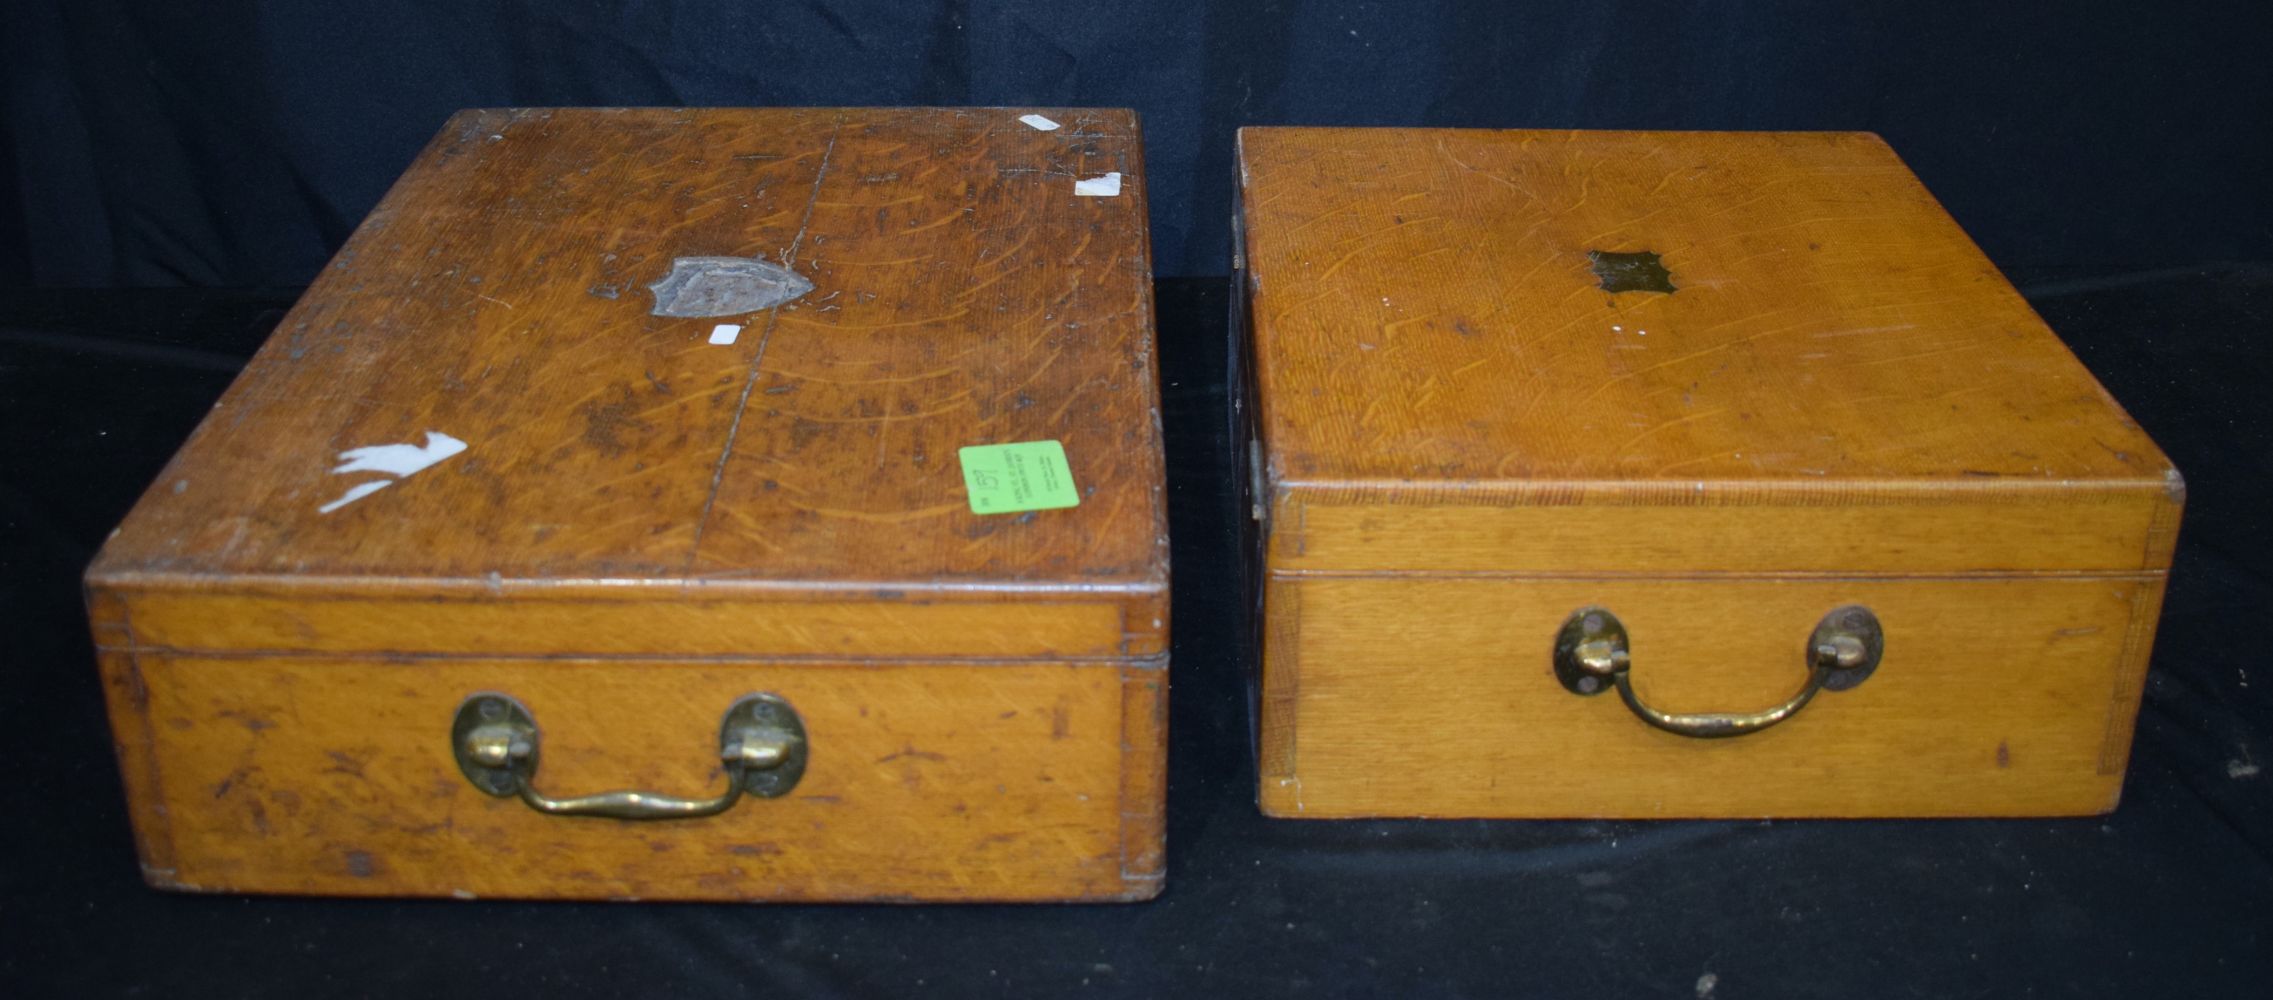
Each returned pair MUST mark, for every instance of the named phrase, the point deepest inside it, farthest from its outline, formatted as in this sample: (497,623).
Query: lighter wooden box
(1714,387)
(653,517)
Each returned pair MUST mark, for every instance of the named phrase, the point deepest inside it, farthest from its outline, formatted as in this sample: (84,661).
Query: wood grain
(963,295)
(1465,436)
(2086,529)
(417,621)
(925,782)
(1993,698)
(646,524)
(1425,309)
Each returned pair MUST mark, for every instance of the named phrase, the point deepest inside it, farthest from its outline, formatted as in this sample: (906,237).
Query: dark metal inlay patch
(1630,272)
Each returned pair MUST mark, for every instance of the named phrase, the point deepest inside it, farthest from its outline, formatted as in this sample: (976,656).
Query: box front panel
(1388,696)
(922,781)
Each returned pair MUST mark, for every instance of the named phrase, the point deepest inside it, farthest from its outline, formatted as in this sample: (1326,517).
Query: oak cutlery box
(1604,474)
(676,504)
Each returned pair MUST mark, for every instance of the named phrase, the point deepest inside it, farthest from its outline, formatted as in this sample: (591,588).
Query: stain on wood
(1475,414)
(645,526)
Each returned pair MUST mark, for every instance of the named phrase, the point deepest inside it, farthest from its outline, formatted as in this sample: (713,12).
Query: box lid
(1502,334)
(625,374)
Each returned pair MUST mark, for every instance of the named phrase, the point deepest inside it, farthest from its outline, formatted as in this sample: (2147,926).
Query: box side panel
(924,782)
(1278,696)
(127,701)
(2131,679)
(1437,697)
(127,697)
(1250,507)
(1144,778)
(2139,642)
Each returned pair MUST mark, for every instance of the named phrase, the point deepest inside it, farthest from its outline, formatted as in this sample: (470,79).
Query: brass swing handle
(761,744)
(1591,648)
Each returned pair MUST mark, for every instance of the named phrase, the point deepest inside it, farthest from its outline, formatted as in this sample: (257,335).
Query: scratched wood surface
(649,516)
(1831,396)
(963,295)
(1425,309)
(1997,696)
(926,781)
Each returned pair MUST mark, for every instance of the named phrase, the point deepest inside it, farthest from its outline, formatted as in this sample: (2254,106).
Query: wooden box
(1577,450)
(629,449)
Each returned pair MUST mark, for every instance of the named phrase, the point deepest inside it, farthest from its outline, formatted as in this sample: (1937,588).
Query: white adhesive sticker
(1039,123)
(397,460)
(724,333)
(1108,186)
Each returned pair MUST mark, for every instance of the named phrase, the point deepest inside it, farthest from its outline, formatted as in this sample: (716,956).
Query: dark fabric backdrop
(225,142)
(2102,153)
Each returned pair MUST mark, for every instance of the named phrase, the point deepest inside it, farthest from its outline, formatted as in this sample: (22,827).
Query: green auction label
(1008,478)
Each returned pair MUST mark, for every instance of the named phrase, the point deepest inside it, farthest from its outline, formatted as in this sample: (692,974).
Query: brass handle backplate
(1591,656)
(761,744)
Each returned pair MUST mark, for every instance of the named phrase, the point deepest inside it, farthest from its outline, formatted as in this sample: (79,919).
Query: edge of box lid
(660,619)
(1604,529)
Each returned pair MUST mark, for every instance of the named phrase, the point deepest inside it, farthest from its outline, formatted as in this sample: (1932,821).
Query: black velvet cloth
(2172,895)
(231,142)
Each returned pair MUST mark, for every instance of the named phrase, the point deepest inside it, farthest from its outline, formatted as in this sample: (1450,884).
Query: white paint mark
(462,894)
(397,460)
(354,493)
(1039,123)
(2239,769)
(1705,984)
(1108,186)
(724,333)
(1615,328)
